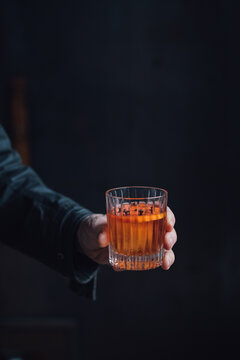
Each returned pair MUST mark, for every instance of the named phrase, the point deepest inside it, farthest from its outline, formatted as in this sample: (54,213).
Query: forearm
(34,219)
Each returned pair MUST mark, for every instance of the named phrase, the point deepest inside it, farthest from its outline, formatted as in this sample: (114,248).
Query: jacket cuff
(84,281)
(81,270)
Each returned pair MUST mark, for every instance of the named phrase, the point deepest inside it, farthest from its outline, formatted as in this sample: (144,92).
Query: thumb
(102,239)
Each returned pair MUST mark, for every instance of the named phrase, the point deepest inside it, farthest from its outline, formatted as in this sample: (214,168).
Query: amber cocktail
(136,227)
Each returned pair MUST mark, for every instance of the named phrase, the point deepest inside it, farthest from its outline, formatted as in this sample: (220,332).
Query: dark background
(128,93)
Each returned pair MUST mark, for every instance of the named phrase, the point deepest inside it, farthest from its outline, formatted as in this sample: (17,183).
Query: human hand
(93,241)
(92,238)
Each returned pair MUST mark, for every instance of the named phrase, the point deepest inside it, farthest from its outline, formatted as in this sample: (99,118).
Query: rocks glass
(137,217)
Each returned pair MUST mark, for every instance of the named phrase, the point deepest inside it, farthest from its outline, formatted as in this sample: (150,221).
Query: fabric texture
(40,222)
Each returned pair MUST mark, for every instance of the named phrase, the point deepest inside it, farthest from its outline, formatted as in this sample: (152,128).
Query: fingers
(168,259)
(170,219)
(170,239)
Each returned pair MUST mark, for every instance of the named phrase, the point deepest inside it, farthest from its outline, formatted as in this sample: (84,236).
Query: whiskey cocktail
(136,227)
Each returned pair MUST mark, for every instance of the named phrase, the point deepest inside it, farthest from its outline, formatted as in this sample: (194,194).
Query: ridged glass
(137,217)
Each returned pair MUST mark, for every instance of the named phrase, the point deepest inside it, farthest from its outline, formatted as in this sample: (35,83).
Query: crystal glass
(136,218)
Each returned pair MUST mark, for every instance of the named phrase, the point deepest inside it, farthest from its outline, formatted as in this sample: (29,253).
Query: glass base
(131,262)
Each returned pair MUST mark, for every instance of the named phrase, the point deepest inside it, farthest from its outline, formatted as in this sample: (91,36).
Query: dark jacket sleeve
(40,222)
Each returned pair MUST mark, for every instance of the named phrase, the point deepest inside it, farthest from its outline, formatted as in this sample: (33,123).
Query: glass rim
(107,193)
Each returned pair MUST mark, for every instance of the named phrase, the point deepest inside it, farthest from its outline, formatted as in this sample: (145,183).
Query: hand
(92,238)
(93,242)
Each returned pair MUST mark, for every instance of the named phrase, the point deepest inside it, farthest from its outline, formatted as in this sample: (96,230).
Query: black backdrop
(125,93)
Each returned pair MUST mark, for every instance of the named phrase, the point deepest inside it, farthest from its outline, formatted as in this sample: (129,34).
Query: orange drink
(136,230)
